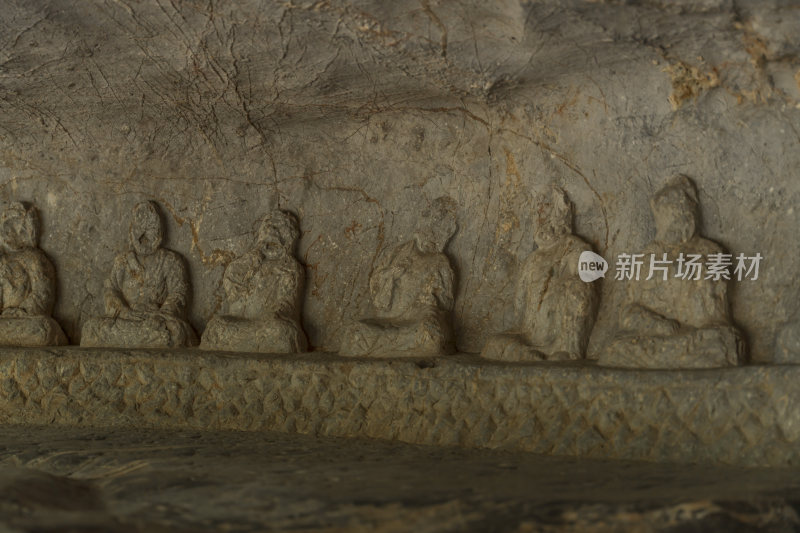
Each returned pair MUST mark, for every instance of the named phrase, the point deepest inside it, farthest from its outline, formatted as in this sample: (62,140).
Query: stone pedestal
(745,416)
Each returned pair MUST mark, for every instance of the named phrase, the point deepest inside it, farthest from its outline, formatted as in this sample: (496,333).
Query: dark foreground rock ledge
(73,479)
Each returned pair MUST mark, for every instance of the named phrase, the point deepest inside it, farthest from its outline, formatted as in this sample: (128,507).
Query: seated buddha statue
(263,295)
(679,317)
(145,295)
(555,309)
(27,282)
(413,292)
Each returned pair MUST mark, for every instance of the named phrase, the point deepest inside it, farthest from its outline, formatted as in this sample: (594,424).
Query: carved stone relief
(412,291)
(495,101)
(263,295)
(669,321)
(787,344)
(27,282)
(556,310)
(145,294)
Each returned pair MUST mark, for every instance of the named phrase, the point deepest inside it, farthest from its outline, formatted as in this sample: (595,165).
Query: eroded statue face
(277,234)
(269,240)
(437,227)
(18,227)
(146,230)
(675,216)
(553,218)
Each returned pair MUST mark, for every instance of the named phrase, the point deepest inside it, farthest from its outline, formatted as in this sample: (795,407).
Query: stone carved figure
(264,291)
(27,282)
(676,322)
(555,309)
(787,344)
(146,294)
(412,289)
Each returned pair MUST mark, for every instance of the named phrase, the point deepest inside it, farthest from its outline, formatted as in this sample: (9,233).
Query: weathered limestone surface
(264,295)
(744,415)
(27,282)
(145,294)
(412,291)
(668,321)
(356,114)
(556,309)
(155,481)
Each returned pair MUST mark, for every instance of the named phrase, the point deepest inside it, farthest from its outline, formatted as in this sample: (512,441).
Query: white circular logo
(591,266)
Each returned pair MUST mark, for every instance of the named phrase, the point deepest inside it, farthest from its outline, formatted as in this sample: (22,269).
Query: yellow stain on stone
(508,219)
(569,102)
(689,82)
(213,258)
(352,230)
(511,170)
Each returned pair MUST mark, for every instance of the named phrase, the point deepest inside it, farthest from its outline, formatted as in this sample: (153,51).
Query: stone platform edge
(741,416)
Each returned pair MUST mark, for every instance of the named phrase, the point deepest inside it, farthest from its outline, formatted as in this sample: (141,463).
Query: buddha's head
(676,211)
(553,217)
(146,230)
(437,225)
(19,227)
(278,234)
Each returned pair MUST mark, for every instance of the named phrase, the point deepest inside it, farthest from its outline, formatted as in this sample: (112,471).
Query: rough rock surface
(27,282)
(52,479)
(555,308)
(356,114)
(679,317)
(746,415)
(145,294)
(264,293)
(412,294)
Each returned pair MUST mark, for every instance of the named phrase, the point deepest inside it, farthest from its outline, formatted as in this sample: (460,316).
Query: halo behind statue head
(146,231)
(284,224)
(19,226)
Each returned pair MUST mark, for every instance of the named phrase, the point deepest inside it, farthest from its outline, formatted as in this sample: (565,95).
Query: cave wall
(355,115)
